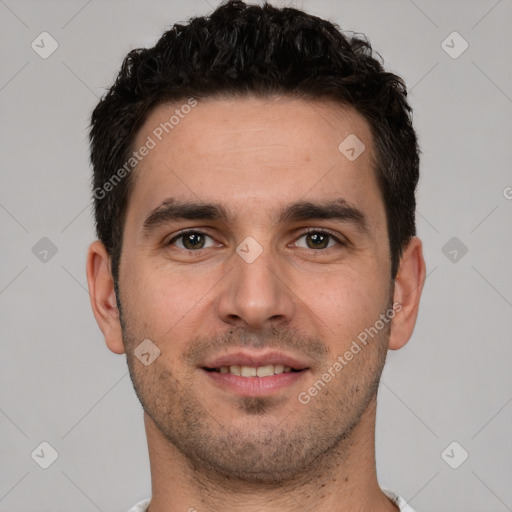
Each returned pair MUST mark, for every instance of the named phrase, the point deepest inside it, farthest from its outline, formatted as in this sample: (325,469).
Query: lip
(255,359)
(254,386)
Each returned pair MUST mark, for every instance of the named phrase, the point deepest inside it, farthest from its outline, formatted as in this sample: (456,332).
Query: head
(287,152)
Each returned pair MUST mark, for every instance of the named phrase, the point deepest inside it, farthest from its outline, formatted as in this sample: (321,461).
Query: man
(254,181)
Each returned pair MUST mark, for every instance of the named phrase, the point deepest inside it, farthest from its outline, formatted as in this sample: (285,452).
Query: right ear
(103,296)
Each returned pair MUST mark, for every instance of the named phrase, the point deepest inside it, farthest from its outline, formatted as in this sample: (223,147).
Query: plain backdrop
(59,383)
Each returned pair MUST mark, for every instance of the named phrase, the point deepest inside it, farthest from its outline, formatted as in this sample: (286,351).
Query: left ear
(408,287)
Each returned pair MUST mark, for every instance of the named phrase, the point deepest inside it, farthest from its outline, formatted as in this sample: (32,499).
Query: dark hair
(265,51)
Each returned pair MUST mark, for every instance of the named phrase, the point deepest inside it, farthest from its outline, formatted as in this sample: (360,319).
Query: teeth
(278,368)
(260,371)
(247,371)
(235,369)
(265,371)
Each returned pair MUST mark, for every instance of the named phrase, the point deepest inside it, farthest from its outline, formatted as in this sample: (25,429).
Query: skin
(209,449)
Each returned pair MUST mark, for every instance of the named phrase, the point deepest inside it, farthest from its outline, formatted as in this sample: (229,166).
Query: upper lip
(257,359)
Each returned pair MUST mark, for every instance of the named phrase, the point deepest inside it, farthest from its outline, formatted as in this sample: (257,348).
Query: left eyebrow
(339,210)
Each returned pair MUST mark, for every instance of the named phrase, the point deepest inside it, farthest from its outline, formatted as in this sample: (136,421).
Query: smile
(250,371)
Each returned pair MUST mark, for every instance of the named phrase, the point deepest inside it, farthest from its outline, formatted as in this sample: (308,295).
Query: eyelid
(183,232)
(334,235)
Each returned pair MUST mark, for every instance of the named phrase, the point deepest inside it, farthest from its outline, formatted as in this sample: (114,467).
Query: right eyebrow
(171,210)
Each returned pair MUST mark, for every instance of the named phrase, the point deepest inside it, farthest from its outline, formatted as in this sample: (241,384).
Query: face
(284,263)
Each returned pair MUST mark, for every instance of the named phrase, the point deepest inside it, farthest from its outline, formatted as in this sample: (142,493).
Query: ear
(408,287)
(103,297)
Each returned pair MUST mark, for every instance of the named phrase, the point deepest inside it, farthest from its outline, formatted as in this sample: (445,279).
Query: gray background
(59,382)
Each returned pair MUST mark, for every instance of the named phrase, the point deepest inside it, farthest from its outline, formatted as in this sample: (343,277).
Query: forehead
(255,153)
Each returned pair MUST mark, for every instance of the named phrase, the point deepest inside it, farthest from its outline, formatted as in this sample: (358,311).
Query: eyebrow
(339,209)
(172,209)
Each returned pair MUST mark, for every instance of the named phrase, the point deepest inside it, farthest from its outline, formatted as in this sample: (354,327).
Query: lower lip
(255,386)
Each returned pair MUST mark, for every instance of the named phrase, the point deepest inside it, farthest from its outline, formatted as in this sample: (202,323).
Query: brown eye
(318,240)
(191,240)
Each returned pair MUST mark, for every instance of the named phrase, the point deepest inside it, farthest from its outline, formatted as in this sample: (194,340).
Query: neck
(343,480)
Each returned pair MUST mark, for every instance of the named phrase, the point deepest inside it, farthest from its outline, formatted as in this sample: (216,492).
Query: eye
(191,240)
(318,240)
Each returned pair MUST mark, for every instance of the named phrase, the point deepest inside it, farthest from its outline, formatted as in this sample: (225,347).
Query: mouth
(256,374)
(255,371)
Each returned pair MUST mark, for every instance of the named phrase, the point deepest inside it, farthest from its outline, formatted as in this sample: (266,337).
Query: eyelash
(185,232)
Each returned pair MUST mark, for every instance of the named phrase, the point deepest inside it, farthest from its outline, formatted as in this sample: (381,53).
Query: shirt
(397,500)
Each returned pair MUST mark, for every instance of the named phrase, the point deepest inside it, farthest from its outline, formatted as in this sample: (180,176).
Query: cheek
(345,303)
(165,302)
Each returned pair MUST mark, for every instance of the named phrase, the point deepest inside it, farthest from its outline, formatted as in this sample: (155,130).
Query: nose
(255,293)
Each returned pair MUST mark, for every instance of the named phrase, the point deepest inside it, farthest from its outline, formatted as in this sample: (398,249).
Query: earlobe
(102,296)
(408,287)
